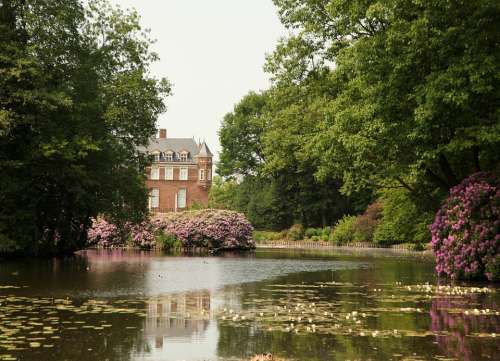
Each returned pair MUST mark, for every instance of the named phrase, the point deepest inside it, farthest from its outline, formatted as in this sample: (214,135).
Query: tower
(204,166)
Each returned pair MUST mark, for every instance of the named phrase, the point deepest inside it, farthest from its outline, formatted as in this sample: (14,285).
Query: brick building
(180,175)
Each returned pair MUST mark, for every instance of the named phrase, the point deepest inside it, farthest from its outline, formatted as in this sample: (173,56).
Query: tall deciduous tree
(76,99)
(419,99)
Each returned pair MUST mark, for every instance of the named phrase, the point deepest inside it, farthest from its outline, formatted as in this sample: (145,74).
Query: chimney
(163,133)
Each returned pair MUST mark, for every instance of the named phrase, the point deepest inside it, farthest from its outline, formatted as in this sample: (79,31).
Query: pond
(294,304)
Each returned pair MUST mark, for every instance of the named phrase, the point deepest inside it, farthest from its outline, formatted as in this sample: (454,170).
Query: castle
(180,174)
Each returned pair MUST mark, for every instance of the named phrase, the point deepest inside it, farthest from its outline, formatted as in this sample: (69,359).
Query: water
(297,305)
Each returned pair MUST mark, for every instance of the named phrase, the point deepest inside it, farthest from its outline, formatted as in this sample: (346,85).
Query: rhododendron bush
(211,228)
(205,228)
(466,230)
(104,233)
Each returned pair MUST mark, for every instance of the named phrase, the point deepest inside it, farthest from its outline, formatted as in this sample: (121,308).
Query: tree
(241,133)
(76,99)
(266,142)
(418,99)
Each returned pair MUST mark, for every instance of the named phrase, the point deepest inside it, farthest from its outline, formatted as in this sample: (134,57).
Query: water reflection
(132,306)
(178,326)
(458,327)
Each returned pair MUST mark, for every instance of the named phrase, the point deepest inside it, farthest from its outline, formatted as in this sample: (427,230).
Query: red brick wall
(168,188)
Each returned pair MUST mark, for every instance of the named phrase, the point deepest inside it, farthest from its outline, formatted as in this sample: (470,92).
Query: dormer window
(156,156)
(169,156)
(184,156)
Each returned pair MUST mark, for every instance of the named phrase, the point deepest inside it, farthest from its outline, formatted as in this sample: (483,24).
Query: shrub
(401,221)
(344,230)
(311,232)
(366,223)
(260,236)
(296,232)
(211,228)
(144,234)
(205,228)
(325,234)
(466,230)
(104,234)
(166,240)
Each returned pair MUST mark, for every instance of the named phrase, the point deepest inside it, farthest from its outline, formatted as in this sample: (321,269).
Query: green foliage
(296,232)
(196,206)
(257,197)
(276,182)
(413,97)
(76,100)
(402,221)
(344,230)
(260,236)
(412,101)
(311,232)
(167,241)
(367,223)
(241,133)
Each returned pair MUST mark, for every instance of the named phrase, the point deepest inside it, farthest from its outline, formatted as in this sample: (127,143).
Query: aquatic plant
(466,230)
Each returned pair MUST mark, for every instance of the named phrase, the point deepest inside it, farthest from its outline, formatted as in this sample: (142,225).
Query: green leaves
(76,99)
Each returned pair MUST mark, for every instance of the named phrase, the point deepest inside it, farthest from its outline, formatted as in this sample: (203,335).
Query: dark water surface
(298,305)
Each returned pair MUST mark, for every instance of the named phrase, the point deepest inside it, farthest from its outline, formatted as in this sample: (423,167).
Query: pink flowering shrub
(205,228)
(103,234)
(466,230)
(211,228)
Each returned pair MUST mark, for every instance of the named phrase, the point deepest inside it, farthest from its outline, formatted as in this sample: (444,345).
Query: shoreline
(398,249)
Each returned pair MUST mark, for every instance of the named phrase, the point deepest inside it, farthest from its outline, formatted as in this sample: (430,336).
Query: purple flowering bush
(206,228)
(211,228)
(466,230)
(104,234)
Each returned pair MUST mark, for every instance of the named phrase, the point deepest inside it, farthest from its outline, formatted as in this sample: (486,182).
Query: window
(156,157)
(181,198)
(154,198)
(202,174)
(209,174)
(169,173)
(169,157)
(155,173)
(184,157)
(183,174)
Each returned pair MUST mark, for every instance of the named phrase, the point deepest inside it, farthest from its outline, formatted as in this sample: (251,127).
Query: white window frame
(155,173)
(183,173)
(202,174)
(184,156)
(181,203)
(154,198)
(209,174)
(169,156)
(169,173)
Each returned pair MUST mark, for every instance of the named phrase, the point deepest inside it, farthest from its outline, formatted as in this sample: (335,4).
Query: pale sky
(213,52)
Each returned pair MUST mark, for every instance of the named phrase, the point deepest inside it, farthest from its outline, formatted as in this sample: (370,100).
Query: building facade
(180,174)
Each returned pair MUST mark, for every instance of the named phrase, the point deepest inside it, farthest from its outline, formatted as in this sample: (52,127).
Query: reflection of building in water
(179,315)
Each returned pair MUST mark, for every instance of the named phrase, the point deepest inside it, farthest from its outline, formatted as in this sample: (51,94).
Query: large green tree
(76,99)
(266,144)
(419,95)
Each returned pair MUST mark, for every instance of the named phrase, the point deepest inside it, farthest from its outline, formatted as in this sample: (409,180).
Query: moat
(297,305)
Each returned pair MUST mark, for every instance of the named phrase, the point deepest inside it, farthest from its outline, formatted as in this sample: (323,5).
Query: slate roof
(175,144)
(204,151)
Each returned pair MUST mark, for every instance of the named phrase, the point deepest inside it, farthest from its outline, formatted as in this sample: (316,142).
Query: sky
(212,51)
